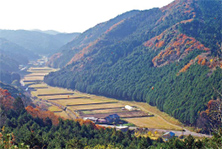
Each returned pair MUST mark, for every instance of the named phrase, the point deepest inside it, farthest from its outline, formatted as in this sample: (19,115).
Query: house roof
(112,116)
(169,133)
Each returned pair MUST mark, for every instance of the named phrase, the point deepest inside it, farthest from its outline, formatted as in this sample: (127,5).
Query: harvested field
(98,103)
(40,87)
(51,90)
(54,108)
(34,78)
(37,74)
(39,69)
(66,101)
(153,110)
(102,109)
(34,68)
(151,122)
(31,80)
(29,83)
(55,94)
(96,106)
(92,105)
(33,75)
(122,114)
(69,98)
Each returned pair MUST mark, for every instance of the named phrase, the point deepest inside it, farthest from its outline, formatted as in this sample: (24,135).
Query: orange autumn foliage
(203,62)
(53,58)
(184,8)
(83,52)
(114,26)
(177,45)
(37,112)
(160,44)
(6,100)
(88,122)
(199,60)
(186,66)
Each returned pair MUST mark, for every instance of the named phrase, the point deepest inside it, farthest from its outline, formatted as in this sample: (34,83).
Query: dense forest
(168,57)
(33,128)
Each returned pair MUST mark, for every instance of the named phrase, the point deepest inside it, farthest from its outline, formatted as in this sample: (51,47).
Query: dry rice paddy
(92,104)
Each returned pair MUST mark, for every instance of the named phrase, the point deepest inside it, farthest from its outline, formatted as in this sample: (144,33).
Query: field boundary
(55,94)
(69,98)
(100,109)
(99,103)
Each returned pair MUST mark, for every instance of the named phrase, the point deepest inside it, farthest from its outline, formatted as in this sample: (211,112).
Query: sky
(66,15)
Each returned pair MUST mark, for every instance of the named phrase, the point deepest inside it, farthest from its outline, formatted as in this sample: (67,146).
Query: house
(112,118)
(168,135)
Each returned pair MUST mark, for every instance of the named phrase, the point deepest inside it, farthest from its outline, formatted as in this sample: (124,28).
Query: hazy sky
(66,15)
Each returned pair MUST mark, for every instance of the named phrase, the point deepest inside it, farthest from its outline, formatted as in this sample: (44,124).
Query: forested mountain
(87,39)
(38,42)
(18,53)
(50,32)
(169,57)
(11,56)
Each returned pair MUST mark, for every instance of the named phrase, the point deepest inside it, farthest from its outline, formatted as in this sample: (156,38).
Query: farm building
(129,108)
(102,121)
(112,118)
(168,135)
(94,119)
(122,128)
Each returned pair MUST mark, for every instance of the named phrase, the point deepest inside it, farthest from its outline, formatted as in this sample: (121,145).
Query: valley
(72,104)
(82,102)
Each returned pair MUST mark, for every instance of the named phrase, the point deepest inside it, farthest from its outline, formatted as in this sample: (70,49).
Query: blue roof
(170,133)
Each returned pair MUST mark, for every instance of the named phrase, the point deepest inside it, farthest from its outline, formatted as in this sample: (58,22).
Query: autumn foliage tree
(45,115)
(211,118)
(6,100)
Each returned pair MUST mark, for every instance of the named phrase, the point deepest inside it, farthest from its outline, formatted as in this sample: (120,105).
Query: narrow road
(177,133)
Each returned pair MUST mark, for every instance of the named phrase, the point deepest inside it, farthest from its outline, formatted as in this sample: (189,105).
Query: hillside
(86,40)
(38,42)
(28,127)
(168,57)
(16,93)
(11,56)
(13,50)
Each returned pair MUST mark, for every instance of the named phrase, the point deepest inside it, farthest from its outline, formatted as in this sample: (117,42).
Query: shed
(91,119)
(130,108)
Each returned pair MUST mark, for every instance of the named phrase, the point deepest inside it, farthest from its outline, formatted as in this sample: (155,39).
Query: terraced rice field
(82,107)
(122,114)
(92,105)
(101,110)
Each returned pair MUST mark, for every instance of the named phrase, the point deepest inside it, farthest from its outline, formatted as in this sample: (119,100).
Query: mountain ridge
(37,42)
(157,48)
